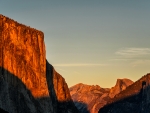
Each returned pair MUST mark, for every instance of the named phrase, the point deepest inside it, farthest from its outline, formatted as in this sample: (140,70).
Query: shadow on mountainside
(60,107)
(137,102)
(82,107)
(16,98)
(2,111)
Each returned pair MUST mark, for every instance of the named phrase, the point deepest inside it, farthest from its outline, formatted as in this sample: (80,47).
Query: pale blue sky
(90,41)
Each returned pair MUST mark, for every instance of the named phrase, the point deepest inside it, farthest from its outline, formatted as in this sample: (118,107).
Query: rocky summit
(28,83)
(125,97)
(90,98)
(135,99)
(121,85)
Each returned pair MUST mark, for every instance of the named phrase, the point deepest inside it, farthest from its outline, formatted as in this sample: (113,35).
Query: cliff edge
(29,84)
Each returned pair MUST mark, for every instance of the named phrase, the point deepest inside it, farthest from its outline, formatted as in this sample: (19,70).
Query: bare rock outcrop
(22,53)
(28,83)
(134,99)
(59,92)
(90,98)
(121,85)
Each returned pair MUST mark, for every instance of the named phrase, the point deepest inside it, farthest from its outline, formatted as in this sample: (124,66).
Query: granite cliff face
(121,85)
(135,99)
(59,92)
(22,53)
(28,83)
(90,98)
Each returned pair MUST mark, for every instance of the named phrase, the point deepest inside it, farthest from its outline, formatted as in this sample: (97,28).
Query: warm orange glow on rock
(61,88)
(28,82)
(22,52)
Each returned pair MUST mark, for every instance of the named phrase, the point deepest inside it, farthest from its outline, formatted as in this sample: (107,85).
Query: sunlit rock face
(121,85)
(22,53)
(60,87)
(134,99)
(59,92)
(28,83)
(90,98)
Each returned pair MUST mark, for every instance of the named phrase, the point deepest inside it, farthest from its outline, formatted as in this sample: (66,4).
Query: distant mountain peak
(93,97)
(134,99)
(121,85)
(81,87)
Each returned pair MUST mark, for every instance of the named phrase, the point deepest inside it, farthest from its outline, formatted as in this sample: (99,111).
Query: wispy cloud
(133,52)
(121,59)
(78,65)
(140,63)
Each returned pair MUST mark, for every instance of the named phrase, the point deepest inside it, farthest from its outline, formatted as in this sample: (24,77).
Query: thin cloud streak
(78,65)
(133,52)
(140,63)
(121,59)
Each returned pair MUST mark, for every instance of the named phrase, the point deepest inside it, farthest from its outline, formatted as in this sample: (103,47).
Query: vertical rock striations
(22,53)
(28,83)
(59,92)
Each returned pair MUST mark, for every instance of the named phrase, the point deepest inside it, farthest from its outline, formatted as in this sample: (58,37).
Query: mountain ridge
(95,97)
(134,99)
(125,96)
